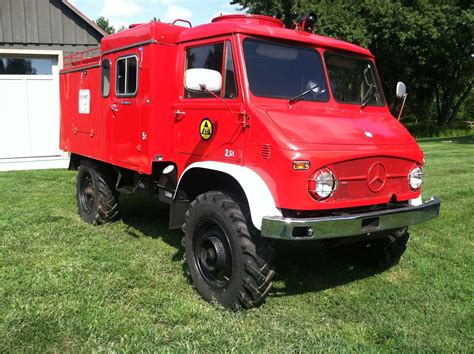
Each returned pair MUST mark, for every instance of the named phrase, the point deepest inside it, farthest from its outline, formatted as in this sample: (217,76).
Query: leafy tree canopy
(104,23)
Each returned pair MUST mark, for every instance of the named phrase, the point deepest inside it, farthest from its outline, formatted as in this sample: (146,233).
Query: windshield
(354,80)
(284,71)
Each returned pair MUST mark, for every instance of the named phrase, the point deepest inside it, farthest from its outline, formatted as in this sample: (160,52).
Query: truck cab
(251,132)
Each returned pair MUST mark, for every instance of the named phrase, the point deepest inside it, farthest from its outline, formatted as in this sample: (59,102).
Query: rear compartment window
(105,78)
(127,76)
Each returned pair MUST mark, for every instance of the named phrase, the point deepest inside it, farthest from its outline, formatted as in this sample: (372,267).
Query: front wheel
(386,252)
(224,261)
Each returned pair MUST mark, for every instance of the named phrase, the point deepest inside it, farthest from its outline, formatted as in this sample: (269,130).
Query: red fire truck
(251,132)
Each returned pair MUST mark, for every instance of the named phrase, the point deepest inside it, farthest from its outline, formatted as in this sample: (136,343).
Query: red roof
(255,25)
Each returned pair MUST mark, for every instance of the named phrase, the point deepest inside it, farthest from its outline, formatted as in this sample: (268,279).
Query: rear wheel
(223,259)
(97,201)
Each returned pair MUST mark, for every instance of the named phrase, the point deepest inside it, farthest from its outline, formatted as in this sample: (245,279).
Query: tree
(455,66)
(104,23)
(121,28)
(426,43)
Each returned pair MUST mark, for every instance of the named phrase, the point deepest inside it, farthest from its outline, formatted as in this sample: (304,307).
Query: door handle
(114,108)
(178,112)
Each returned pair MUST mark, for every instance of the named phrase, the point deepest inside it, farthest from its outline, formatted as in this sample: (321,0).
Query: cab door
(126,111)
(206,126)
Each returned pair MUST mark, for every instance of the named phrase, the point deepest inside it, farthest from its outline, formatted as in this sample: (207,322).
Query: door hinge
(244,118)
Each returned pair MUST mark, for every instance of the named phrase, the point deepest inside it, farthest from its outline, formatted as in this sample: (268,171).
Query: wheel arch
(240,182)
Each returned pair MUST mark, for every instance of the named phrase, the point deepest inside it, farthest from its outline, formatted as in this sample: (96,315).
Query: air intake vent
(266,152)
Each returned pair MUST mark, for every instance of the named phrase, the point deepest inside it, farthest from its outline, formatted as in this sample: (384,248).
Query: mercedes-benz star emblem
(377,177)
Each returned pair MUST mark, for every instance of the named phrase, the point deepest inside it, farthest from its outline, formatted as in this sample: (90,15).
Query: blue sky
(125,12)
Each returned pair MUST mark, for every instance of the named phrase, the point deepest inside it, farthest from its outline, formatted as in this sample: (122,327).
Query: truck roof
(173,34)
(257,25)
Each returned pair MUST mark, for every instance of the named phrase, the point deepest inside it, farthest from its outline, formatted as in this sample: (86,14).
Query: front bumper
(348,225)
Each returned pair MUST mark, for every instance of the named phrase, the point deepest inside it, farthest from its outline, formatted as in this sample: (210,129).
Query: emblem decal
(206,129)
(376,177)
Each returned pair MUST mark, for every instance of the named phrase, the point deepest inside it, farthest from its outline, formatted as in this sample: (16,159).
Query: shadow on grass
(301,267)
(468,139)
(150,217)
(308,267)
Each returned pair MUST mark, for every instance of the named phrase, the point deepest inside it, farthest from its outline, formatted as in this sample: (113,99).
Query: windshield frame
(374,71)
(290,44)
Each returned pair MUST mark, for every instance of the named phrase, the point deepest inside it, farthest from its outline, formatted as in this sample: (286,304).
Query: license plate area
(370,224)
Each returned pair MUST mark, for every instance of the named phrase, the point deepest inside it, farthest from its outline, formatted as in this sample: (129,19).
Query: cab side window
(105,82)
(205,57)
(214,57)
(230,82)
(126,77)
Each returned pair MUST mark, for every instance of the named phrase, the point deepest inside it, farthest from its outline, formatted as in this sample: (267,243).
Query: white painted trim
(36,163)
(416,201)
(258,194)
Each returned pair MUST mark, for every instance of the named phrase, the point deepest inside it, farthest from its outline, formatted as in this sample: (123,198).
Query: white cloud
(121,8)
(177,12)
(164,2)
(117,23)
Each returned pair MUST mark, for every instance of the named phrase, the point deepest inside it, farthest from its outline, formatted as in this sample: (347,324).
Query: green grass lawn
(69,286)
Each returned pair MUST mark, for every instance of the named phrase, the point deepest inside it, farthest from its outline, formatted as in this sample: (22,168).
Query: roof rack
(81,58)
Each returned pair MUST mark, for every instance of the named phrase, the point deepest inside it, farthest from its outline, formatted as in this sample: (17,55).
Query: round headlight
(415,178)
(322,184)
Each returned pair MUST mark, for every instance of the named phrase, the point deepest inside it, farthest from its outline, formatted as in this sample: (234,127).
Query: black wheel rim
(87,192)
(212,254)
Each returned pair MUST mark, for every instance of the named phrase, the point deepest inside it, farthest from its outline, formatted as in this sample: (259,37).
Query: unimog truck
(251,132)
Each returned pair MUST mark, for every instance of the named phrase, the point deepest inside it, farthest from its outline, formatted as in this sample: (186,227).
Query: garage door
(29,106)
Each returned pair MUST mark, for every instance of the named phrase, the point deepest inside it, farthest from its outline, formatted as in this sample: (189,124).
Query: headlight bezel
(416,178)
(320,181)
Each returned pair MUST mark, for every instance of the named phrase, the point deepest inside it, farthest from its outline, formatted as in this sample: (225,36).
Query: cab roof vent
(250,19)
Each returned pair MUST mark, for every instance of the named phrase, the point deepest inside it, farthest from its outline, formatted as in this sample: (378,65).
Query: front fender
(259,197)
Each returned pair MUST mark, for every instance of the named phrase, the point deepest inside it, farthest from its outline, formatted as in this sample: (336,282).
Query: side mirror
(202,79)
(401,90)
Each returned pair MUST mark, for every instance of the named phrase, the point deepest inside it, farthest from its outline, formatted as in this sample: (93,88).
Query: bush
(431,129)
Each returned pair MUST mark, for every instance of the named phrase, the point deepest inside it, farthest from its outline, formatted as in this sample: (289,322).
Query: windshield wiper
(365,100)
(313,87)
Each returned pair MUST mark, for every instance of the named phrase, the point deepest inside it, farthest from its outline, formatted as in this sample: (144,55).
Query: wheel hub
(212,254)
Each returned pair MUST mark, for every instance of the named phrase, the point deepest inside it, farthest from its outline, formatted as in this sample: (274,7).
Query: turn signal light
(301,165)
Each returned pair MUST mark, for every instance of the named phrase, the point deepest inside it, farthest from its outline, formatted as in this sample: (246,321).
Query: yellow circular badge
(206,129)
